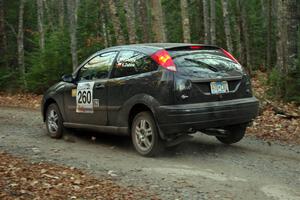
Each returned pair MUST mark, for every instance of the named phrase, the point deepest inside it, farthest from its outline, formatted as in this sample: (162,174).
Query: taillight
(163,58)
(228,55)
(196,47)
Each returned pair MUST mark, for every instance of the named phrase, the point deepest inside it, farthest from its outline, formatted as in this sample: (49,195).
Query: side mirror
(67,78)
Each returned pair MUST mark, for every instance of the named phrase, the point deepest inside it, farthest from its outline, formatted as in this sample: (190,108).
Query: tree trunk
(292,20)
(3,46)
(206,22)
(240,30)
(20,42)
(130,18)
(286,45)
(246,38)
(227,25)
(158,26)
(103,23)
(143,20)
(72,15)
(185,21)
(282,37)
(116,22)
(237,37)
(213,22)
(49,14)
(269,33)
(61,13)
(40,19)
(263,6)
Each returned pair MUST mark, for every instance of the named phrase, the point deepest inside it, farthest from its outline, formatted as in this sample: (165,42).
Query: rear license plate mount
(219,87)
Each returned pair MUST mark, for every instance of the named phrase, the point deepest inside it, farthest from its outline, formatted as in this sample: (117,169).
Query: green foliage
(5,80)
(285,86)
(196,21)
(173,20)
(257,33)
(47,67)
(277,82)
(89,36)
(293,85)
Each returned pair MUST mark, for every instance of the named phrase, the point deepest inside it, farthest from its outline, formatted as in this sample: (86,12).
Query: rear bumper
(180,118)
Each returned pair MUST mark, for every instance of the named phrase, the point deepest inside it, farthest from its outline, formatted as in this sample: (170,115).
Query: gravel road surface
(200,168)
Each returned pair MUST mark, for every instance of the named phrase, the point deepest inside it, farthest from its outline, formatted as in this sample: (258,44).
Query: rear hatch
(207,74)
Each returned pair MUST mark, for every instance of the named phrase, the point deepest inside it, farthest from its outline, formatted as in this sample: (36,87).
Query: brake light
(195,47)
(163,58)
(228,55)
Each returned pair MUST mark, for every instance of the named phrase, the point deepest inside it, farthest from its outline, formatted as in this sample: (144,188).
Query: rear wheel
(235,134)
(54,121)
(145,136)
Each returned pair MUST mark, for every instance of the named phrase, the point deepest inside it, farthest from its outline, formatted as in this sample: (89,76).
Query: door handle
(99,86)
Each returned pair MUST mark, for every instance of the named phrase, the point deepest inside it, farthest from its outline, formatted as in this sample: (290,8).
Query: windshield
(204,61)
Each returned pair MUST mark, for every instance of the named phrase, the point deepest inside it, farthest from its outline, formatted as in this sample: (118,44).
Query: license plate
(219,87)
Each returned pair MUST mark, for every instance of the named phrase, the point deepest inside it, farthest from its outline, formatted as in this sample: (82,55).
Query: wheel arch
(137,108)
(142,107)
(48,102)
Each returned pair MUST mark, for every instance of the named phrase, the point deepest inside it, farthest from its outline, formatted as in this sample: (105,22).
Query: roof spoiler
(193,47)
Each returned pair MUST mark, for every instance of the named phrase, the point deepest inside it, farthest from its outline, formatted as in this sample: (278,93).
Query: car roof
(152,47)
(147,48)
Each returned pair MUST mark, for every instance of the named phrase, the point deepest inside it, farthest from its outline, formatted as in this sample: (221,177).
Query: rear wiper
(202,64)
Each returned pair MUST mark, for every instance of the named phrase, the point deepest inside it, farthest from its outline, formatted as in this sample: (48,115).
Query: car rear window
(131,63)
(203,61)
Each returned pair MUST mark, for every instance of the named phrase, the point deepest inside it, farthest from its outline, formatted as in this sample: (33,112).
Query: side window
(131,63)
(97,68)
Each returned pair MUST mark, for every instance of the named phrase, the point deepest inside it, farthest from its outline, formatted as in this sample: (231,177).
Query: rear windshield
(203,61)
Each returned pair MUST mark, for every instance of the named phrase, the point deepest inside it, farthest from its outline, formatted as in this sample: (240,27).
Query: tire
(236,133)
(54,121)
(145,135)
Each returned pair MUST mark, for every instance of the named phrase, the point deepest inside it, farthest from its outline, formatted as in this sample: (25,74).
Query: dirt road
(200,168)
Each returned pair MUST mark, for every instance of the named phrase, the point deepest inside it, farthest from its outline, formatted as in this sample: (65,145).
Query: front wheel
(145,135)
(54,121)
(235,134)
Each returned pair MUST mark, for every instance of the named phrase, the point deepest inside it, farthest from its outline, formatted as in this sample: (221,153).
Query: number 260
(84,97)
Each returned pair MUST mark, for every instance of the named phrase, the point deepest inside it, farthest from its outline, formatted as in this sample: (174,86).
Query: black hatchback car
(156,93)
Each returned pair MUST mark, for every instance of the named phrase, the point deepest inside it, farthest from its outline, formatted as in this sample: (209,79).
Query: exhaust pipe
(215,132)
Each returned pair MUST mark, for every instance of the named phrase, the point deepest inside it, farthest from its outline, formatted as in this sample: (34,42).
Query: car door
(86,98)
(133,73)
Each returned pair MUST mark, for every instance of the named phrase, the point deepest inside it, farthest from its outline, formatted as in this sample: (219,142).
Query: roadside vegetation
(277,120)
(42,40)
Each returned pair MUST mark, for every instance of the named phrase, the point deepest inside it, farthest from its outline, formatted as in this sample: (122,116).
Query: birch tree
(2,34)
(282,37)
(49,14)
(212,22)
(143,20)
(246,36)
(206,22)
(185,21)
(227,25)
(72,15)
(20,42)
(103,23)
(288,23)
(293,24)
(239,33)
(116,22)
(130,19)
(269,32)
(61,13)
(158,26)
(40,20)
